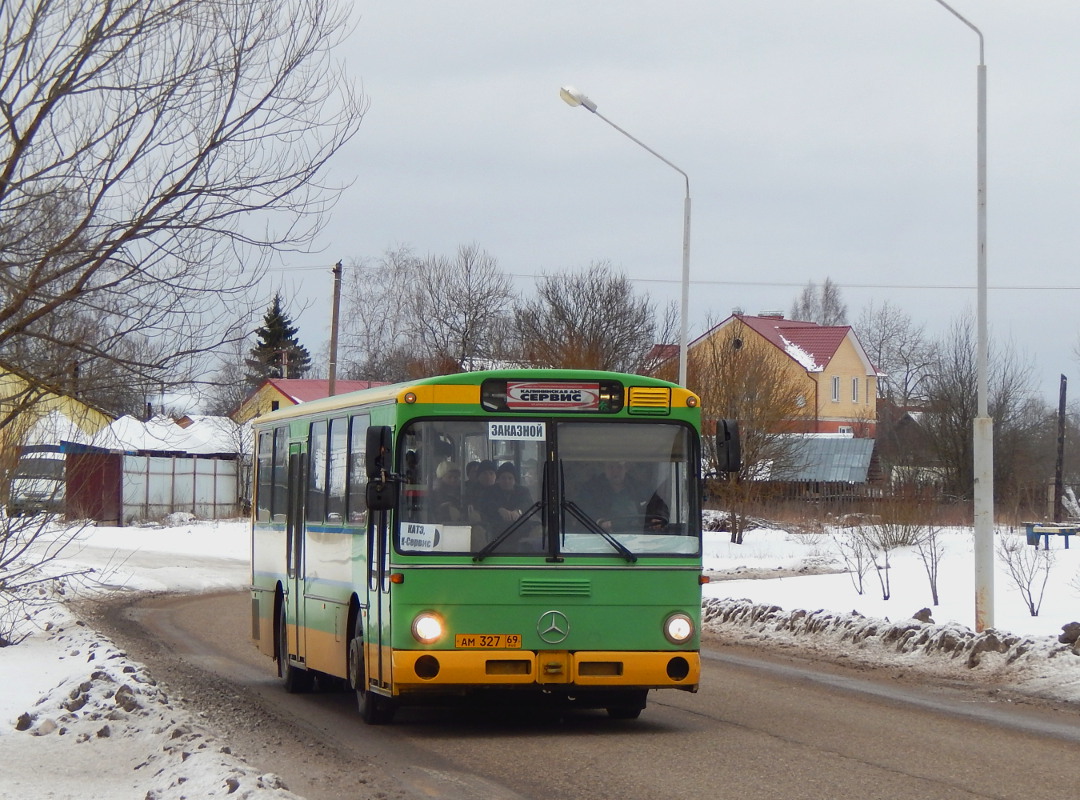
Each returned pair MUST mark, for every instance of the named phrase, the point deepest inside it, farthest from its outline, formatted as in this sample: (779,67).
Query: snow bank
(105,729)
(1043,666)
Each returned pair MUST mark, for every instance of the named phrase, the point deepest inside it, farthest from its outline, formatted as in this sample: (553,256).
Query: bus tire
(296,680)
(374,708)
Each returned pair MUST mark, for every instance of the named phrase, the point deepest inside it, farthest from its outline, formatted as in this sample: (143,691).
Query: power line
(796,285)
(327,267)
(774,284)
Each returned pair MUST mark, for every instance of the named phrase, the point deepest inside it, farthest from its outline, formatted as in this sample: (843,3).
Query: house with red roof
(838,382)
(275,393)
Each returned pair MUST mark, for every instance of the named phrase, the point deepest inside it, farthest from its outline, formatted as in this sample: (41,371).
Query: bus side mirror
(728,448)
(377,454)
(382,495)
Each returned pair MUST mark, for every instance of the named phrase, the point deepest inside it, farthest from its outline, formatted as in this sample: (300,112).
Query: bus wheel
(296,680)
(628,706)
(374,708)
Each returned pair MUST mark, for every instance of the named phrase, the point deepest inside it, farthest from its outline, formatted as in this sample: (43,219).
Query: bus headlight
(678,628)
(427,628)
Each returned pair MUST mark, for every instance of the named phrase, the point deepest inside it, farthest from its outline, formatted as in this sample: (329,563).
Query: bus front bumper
(452,670)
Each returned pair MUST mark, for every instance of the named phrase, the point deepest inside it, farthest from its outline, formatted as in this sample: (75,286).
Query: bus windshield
(551,487)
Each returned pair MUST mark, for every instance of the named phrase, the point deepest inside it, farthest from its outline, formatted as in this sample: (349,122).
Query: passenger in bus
(470,472)
(444,502)
(412,467)
(476,489)
(505,502)
(615,499)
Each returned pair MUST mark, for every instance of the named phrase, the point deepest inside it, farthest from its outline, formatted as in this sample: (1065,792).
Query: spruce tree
(277,353)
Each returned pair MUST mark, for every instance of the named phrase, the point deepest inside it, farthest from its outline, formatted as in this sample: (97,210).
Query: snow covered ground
(78,719)
(821,611)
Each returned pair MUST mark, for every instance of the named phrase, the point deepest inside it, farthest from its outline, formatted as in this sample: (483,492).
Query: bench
(1046,530)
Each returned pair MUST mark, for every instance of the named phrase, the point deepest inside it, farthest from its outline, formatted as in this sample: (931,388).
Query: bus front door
(377,640)
(294,550)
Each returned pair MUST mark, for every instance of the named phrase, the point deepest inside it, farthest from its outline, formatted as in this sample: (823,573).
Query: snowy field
(78,719)
(822,612)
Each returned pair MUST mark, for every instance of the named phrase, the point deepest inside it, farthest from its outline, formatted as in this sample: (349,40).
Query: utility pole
(1060,469)
(332,384)
(983,425)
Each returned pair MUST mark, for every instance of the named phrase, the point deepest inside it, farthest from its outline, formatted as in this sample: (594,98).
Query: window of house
(845,429)
(836,389)
(854,390)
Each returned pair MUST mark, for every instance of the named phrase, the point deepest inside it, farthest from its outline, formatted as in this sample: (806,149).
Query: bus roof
(389,392)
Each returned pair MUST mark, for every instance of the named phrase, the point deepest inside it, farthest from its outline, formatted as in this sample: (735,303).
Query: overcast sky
(822,138)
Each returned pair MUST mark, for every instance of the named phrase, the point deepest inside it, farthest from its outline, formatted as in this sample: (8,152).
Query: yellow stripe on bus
(451,394)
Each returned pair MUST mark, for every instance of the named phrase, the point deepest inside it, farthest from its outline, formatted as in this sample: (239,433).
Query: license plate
(485,641)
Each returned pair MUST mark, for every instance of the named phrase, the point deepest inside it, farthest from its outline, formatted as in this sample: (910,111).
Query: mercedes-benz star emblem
(553,627)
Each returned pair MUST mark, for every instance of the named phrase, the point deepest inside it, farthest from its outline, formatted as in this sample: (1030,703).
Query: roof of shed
(832,460)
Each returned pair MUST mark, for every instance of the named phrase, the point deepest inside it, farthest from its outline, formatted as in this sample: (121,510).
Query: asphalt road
(761,727)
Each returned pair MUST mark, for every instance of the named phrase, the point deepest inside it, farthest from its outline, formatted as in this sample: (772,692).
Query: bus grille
(650,400)
(547,587)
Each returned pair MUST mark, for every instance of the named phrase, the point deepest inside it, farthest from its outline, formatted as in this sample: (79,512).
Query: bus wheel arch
(279,603)
(354,650)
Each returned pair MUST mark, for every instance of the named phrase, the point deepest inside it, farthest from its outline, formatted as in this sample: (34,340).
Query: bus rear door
(294,549)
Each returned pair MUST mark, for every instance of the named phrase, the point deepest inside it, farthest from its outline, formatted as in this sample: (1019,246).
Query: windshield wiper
(595,527)
(490,547)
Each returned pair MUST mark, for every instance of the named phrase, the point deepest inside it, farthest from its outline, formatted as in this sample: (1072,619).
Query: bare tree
(1029,568)
(455,306)
(931,549)
(821,304)
(855,552)
(587,319)
(905,358)
(375,338)
(743,377)
(900,350)
(952,404)
(409,316)
(153,153)
(29,548)
(227,386)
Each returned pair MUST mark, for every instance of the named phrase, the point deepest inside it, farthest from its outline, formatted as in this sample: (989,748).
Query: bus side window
(279,499)
(335,478)
(357,479)
(316,496)
(264,491)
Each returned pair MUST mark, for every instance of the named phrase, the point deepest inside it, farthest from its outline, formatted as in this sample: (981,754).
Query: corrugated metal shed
(832,460)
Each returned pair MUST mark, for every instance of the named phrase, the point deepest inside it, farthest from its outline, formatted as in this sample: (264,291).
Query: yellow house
(837,383)
(275,393)
(25,407)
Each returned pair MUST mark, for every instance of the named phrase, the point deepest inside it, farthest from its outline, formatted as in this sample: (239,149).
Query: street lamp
(983,430)
(575,98)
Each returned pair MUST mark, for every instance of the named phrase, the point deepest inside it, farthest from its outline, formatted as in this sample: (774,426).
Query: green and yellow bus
(528,531)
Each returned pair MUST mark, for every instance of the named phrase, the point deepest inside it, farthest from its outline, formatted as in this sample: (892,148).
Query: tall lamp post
(983,432)
(575,98)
